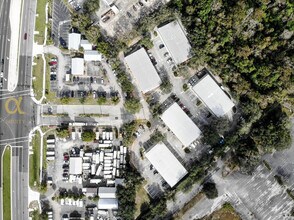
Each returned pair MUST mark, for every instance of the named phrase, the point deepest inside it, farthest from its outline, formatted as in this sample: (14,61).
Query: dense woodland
(249,44)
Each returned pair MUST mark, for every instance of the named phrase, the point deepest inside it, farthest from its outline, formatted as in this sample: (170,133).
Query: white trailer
(50,153)
(107,172)
(113,171)
(110,182)
(108,176)
(117,172)
(97,134)
(107,142)
(93,169)
(107,168)
(89,154)
(105,145)
(107,162)
(101,156)
(111,136)
(121,148)
(96,158)
(114,154)
(108,154)
(103,135)
(50,141)
(50,145)
(50,157)
(121,159)
(117,162)
(99,169)
(107,135)
(73,134)
(114,163)
(125,150)
(96,181)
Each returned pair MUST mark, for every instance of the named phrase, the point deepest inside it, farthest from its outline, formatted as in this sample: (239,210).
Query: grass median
(34,176)
(6,184)
(40,21)
(38,77)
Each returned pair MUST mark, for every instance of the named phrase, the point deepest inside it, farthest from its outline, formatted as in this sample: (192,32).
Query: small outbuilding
(74,40)
(75,165)
(77,66)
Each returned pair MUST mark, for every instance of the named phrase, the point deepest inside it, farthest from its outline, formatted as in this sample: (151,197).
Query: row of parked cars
(83,93)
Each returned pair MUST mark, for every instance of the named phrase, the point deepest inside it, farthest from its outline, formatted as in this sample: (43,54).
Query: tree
(65,100)
(91,6)
(101,100)
(210,190)
(88,135)
(62,132)
(132,105)
(166,86)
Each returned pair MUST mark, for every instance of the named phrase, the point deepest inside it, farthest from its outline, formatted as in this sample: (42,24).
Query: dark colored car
(25,36)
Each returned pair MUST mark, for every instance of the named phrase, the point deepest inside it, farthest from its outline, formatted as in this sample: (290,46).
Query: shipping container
(93,169)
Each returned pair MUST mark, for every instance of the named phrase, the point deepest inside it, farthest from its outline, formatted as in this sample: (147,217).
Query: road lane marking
(17,105)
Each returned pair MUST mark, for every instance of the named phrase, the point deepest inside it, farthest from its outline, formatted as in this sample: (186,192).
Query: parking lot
(60,23)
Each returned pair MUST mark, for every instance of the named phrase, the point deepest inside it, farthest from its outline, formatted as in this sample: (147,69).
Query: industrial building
(107,198)
(74,40)
(92,55)
(86,45)
(75,167)
(77,66)
(106,204)
(213,96)
(166,164)
(143,70)
(180,124)
(175,40)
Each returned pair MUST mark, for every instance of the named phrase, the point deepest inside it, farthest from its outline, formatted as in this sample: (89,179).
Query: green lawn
(40,21)
(38,77)
(34,179)
(6,185)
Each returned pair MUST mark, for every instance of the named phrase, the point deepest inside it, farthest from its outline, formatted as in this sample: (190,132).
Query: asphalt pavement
(17,107)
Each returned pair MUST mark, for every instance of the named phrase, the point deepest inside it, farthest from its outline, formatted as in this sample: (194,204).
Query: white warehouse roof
(86,45)
(166,164)
(75,165)
(180,124)
(92,55)
(174,38)
(77,66)
(107,204)
(74,40)
(107,192)
(143,70)
(213,96)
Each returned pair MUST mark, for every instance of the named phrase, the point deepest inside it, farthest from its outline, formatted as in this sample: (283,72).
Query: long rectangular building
(176,42)
(180,124)
(166,164)
(213,96)
(143,70)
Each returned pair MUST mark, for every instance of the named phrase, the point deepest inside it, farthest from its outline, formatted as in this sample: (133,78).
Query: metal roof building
(77,66)
(213,96)
(143,70)
(75,165)
(107,192)
(74,40)
(180,124)
(107,204)
(86,45)
(166,164)
(175,40)
(92,55)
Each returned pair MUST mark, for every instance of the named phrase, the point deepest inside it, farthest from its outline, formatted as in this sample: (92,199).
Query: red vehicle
(25,36)
(65,157)
(52,63)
